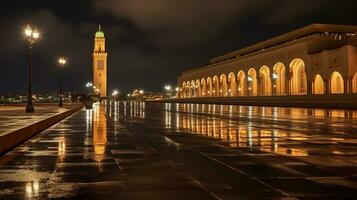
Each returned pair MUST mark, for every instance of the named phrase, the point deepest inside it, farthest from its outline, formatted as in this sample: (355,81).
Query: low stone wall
(316,101)
(15,138)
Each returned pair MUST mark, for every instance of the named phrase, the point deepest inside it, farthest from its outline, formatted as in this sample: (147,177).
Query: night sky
(149,42)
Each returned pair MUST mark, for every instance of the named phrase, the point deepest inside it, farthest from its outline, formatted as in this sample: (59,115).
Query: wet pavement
(136,150)
(13,117)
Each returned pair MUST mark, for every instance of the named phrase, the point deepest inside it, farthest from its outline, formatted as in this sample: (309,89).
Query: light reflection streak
(243,135)
(61,148)
(32,189)
(99,132)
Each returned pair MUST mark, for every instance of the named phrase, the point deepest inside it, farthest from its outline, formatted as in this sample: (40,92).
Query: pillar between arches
(345,85)
(309,87)
(326,86)
(350,84)
(258,85)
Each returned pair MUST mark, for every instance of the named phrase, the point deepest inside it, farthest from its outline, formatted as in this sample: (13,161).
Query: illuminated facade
(100,65)
(315,60)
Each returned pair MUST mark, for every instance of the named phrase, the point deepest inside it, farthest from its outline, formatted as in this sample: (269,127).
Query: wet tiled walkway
(184,151)
(13,117)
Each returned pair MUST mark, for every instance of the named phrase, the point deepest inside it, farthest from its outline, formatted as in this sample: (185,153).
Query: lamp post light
(177,89)
(250,83)
(61,61)
(32,37)
(168,89)
(115,94)
(89,85)
(275,77)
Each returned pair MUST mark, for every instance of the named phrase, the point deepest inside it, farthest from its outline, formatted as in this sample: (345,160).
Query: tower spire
(100,27)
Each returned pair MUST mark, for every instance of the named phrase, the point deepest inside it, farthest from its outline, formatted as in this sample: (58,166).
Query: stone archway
(336,83)
(203,88)
(198,88)
(223,90)
(209,86)
(189,89)
(279,79)
(252,82)
(265,81)
(298,82)
(241,83)
(215,91)
(193,89)
(318,85)
(232,85)
(183,94)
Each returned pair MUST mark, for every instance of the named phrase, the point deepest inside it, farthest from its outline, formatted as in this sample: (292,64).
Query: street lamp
(32,37)
(114,94)
(88,102)
(89,85)
(168,89)
(275,76)
(61,61)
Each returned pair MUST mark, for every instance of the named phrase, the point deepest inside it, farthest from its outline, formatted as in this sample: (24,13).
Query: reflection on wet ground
(137,150)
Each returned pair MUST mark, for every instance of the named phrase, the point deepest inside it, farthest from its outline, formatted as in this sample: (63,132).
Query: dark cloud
(180,23)
(149,41)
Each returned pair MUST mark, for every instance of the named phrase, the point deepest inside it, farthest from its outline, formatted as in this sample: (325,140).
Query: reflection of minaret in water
(99,132)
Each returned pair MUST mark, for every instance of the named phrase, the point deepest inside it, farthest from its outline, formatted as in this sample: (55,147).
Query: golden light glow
(35,34)
(99,132)
(28,31)
(62,61)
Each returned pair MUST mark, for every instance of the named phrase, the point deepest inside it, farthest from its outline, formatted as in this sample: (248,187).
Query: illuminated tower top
(99,33)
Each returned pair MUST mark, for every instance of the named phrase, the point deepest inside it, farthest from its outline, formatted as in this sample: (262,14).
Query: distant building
(318,59)
(100,65)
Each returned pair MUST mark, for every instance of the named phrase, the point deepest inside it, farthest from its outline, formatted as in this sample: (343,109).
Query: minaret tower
(100,64)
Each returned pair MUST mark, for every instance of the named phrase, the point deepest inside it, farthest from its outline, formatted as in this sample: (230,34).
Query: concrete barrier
(15,138)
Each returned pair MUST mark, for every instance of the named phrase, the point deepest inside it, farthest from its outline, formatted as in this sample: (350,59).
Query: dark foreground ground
(183,151)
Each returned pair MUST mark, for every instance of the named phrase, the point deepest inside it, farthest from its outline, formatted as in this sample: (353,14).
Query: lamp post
(88,102)
(32,37)
(61,61)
